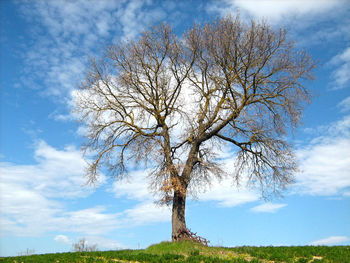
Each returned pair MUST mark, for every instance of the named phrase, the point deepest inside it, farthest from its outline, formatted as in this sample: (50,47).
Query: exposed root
(187,234)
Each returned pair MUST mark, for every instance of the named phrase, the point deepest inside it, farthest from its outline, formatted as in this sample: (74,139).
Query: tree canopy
(172,101)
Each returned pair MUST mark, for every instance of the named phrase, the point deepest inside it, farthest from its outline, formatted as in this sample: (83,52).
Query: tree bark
(178,215)
(179,200)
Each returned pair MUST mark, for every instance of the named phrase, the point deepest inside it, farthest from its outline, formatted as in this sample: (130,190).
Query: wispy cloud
(67,33)
(135,15)
(267,208)
(332,240)
(344,105)
(340,75)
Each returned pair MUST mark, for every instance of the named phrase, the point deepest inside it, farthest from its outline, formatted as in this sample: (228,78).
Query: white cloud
(325,162)
(275,10)
(135,186)
(25,212)
(340,75)
(147,213)
(90,221)
(104,243)
(62,117)
(58,173)
(75,31)
(267,208)
(344,105)
(63,239)
(67,18)
(332,240)
(224,192)
(325,168)
(136,15)
(32,196)
(301,18)
(227,194)
(101,243)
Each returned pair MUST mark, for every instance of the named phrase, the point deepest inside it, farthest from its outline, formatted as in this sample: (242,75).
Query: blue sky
(45,206)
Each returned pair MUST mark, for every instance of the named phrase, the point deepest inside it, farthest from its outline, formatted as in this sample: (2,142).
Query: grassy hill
(193,252)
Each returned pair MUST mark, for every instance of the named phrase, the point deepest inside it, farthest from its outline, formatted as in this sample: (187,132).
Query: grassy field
(192,252)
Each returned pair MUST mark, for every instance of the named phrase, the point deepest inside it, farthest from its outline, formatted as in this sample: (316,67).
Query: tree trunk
(178,215)
(179,201)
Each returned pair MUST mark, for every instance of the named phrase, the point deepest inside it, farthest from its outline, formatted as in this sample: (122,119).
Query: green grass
(184,247)
(189,252)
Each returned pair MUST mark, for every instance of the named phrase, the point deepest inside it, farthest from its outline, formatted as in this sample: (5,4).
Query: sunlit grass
(194,252)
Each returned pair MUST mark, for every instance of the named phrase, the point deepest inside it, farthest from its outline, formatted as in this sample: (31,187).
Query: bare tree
(28,252)
(83,246)
(171,101)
